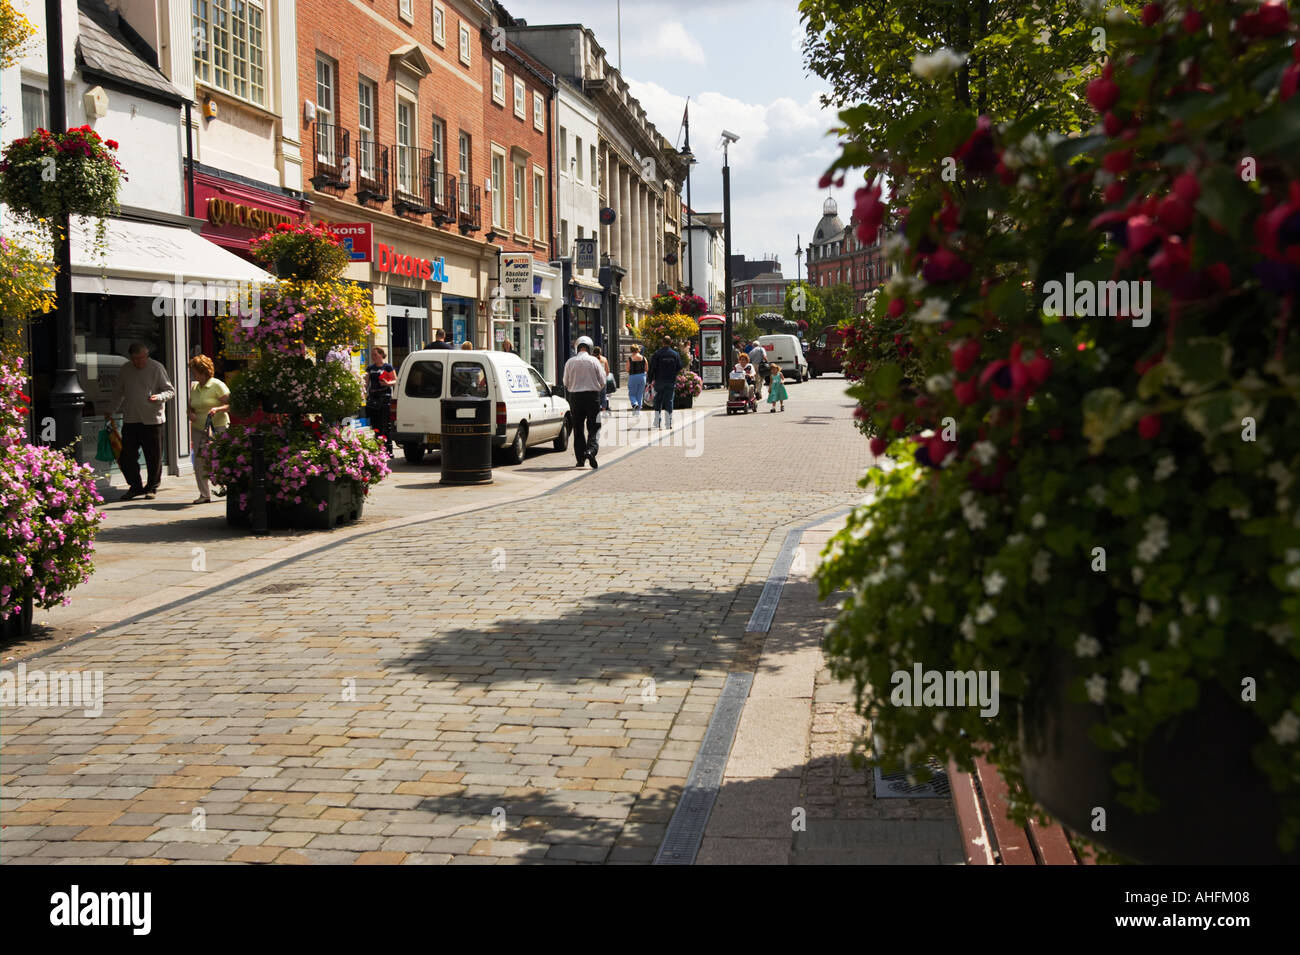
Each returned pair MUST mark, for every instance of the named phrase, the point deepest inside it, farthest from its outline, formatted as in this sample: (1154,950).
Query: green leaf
(885,381)
(1224,197)
(1101,416)
(1274,130)
(1149,385)
(1197,364)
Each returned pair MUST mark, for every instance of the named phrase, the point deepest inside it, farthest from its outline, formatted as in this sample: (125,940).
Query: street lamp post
(798,258)
(727,140)
(689,158)
(66,396)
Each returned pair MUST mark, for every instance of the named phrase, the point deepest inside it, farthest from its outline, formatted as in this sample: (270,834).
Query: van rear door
(419,406)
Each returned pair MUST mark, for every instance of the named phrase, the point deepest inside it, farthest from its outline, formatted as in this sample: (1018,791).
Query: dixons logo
(388,259)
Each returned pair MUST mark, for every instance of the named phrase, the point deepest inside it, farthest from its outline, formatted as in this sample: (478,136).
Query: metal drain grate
(896,786)
(686,830)
(760,621)
(281,588)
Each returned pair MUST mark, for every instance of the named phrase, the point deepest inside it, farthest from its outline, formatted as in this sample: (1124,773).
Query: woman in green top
(209,403)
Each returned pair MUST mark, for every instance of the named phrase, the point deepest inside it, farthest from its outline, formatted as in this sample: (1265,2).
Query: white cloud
(669,40)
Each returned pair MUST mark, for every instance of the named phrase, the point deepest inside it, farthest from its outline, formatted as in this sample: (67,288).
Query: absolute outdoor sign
(517,274)
(388,259)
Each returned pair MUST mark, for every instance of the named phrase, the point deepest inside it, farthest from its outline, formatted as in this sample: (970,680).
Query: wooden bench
(990,838)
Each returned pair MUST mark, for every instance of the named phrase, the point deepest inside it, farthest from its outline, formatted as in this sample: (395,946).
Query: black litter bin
(466,441)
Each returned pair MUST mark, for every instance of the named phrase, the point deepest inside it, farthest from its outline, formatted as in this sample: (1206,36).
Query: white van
(786,351)
(527,411)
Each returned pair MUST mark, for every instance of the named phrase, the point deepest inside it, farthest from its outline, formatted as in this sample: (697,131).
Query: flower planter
(19,624)
(344,501)
(1216,806)
(683,401)
(85,181)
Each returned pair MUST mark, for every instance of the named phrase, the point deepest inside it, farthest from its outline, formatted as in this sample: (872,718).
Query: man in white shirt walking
(144,389)
(584,385)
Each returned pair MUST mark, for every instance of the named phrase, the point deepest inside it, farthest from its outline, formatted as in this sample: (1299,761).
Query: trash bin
(466,441)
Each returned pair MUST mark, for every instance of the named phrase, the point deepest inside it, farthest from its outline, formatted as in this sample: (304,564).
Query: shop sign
(388,259)
(224,212)
(585,297)
(358,238)
(517,274)
(586,257)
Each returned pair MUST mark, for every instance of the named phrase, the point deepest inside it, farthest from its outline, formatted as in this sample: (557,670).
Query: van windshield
(468,380)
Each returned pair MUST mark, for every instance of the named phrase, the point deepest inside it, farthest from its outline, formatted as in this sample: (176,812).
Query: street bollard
(257,497)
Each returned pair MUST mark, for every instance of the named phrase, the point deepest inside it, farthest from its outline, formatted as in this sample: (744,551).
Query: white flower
(975,518)
(1087,646)
(939,719)
(1039,570)
(936,578)
(1143,615)
(1287,729)
(1129,680)
(1280,633)
(1157,539)
(928,614)
(933,311)
(1293,579)
(1131,483)
(1096,685)
(1144,668)
(984,613)
(934,66)
(967,627)
(1138,575)
(1175,633)
(1189,604)
(1043,38)
(1240,513)
(1037,521)
(1025,182)
(1015,540)
(1097,493)
(1212,606)
(1102,358)
(985,452)
(937,383)
(1278,472)
(896,551)
(1293,555)
(994,583)
(893,243)
(1116,15)
(1165,467)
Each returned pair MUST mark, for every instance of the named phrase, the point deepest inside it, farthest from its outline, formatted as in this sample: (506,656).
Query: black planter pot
(19,624)
(1216,806)
(344,501)
(680,401)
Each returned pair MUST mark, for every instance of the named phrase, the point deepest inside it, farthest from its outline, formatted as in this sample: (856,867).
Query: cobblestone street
(525,682)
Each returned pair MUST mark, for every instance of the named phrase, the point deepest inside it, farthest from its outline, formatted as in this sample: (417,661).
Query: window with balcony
(464,44)
(439,24)
(366,128)
(521,98)
(521,201)
(464,178)
(539,113)
(326,141)
(438,162)
(498,189)
(230,47)
(498,83)
(407,161)
(539,191)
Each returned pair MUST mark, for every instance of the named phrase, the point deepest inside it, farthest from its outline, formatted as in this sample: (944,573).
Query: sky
(739,62)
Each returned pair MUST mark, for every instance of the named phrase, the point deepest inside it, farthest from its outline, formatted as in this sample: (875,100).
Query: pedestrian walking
(142,392)
(440,339)
(380,378)
(209,414)
(467,345)
(636,369)
(665,366)
(506,346)
(604,363)
(584,383)
(776,388)
(758,355)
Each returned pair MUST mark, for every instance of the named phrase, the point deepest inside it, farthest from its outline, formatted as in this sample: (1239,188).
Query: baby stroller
(740,396)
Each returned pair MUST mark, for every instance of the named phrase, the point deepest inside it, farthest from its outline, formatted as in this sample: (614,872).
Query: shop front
(155,282)
(525,314)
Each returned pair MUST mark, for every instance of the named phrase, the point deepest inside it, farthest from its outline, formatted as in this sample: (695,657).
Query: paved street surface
(521,672)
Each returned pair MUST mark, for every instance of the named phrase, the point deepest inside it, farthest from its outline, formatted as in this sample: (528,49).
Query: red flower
(824,182)
(1171,262)
(898,424)
(1112,124)
(1174,213)
(945,266)
(1149,426)
(1290,80)
(966,392)
(1270,19)
(965,355)
(1103,93)
(1151,13)
(878,446)
(1220,274)
(1113,193)
(1141,232)
(897,307)
(1118,161)
(1191,21)
(978,152)
(111,143)
(1187,188)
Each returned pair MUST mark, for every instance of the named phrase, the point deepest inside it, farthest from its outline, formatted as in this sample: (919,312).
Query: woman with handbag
(380,378)
(209,407)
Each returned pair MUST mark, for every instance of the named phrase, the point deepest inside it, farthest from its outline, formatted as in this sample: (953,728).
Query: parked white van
(527,410)
(787,352)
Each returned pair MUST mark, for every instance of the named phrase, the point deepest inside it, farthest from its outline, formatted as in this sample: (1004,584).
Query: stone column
(625,228)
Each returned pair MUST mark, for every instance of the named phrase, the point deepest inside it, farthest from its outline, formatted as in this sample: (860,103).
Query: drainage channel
(686,829)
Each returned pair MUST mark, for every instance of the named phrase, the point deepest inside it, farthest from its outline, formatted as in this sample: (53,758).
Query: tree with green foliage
(840,302)
(1018,58)
(802,303)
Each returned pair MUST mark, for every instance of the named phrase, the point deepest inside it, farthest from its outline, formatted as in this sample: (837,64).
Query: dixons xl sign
(388,259)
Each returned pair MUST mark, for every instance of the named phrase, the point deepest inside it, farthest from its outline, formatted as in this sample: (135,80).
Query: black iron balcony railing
(471,208)
(332,168)
(372,171)
(412,183)
(444,198)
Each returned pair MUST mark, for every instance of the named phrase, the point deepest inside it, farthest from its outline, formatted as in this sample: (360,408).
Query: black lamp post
(727,140)
(688,157)
(66,396)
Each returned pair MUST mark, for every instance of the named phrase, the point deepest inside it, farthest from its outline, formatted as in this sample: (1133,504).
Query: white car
(527,410)
(786,351)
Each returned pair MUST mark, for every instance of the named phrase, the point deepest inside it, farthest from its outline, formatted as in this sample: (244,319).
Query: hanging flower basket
(306,252)
(47,174)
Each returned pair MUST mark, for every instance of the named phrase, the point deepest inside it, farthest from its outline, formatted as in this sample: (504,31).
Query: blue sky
(739,62)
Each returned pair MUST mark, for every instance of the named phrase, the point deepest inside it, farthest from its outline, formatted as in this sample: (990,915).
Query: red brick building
(836,254)
(427,144)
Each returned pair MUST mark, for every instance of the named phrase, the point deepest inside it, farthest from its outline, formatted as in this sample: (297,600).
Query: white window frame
(406,10)
(577,155)
(326,112)
(521,97)
(498,187)
(564,151)
(439,24)
(539,113)
(464,44)
(498,83)
(404,97)
(438,148)
(539,201)
(519,181)
(367,155)
(464,166)
(244,78)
